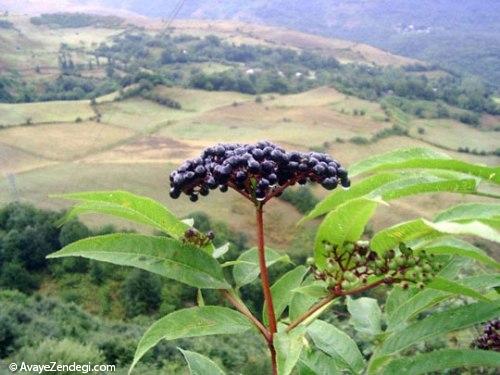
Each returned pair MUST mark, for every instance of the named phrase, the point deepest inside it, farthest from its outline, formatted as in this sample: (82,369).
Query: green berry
(400,261)
(331,268)
(393,265)
(410,262)
(361,269)
(349,276)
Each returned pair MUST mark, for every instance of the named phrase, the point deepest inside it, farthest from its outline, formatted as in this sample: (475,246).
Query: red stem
(264,276)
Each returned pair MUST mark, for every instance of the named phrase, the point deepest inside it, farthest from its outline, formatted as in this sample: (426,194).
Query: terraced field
(137,142)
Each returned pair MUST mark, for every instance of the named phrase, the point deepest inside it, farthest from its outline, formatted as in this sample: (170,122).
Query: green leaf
(488,213)
(192,322)
(317,289)
(247,268)
(366,316)
(359,189)
(165,256)
(220,251)
(455,246)
(128,206)
(301,302)
(445,285)
(408,231)
(483,281)
(389,186)
(315,362)
(440,360)
(282,291)
(337,344)
(199,364)
(344,224)
(288,349)
(429,297)
(439,324)
(423,158)
(398,296)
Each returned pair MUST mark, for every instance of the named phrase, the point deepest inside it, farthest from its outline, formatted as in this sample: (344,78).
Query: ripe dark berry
(174,193)
(260,194)
(200,170)
(204,191)
(253,166)
(212,184)
(329,183)
(193,197)
(240,176)
(263,184)
(272,179)
(345,182)
(490,339)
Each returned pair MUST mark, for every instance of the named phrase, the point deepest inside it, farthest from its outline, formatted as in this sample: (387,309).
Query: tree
(14,276)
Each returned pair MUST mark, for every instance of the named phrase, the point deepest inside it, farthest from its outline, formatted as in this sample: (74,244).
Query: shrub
(302,199)
(141,293)
(359,140)
(65,351)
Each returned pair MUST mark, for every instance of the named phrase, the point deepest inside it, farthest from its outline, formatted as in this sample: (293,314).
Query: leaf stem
(264,276)
(242,308)
(312,310)
(330,297)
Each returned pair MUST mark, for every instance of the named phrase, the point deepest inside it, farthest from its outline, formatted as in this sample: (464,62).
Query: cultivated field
(45,112)
(132,144)
(138,142)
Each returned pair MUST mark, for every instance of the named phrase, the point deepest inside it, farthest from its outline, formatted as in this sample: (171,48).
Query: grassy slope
(50,112)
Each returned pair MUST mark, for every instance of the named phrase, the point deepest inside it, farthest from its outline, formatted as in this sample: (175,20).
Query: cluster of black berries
(490,339)
(195,237)
(352,265)
(257,171)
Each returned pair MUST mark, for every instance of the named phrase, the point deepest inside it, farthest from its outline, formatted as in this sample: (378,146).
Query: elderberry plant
(421,269)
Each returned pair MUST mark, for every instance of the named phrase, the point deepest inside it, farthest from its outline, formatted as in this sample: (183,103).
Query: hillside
(462,36)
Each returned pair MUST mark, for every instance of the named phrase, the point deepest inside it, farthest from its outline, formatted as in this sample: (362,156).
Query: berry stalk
(264,276)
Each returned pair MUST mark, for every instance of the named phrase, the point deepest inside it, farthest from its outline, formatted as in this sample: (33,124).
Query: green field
(45,112)
(452,134)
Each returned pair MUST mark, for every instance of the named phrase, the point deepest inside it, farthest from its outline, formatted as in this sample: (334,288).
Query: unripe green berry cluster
(354,265)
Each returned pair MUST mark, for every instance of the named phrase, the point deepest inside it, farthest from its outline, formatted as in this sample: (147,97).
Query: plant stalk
(330,297)
(264,276)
